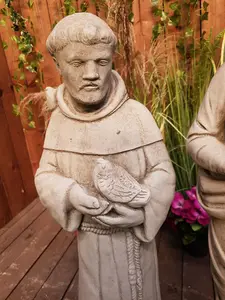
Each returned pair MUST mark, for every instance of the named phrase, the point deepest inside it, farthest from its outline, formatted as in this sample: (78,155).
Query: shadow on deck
(38,261)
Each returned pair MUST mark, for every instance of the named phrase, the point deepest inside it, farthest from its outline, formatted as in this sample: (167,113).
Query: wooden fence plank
(42,27)
(12,51)
(55,10)
(216,19)
(147,22)
(20,163)
(40,18)
(18,217)
(9,169)
(5,214)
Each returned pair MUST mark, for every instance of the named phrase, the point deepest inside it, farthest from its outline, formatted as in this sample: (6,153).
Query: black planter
(198,248)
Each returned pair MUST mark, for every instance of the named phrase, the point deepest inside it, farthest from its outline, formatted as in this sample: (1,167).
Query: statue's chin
(92,102)
(90,99)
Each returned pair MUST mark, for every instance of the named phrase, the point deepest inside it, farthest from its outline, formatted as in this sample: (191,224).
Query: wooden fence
(16,187)
(16,177)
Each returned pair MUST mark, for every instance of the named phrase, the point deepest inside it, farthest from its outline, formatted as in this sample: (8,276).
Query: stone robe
(206,144)
(114,263)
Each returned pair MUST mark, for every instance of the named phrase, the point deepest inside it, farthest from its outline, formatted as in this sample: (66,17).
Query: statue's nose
(91,71)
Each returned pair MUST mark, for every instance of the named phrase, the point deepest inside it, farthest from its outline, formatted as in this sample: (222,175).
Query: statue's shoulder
(139,112)
(136,106)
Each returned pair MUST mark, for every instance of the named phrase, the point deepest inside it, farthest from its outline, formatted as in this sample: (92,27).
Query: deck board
(16,267)
(38,260)
(33,281)
(72,292)
(13,232)
(18,217)
(57,283)
(170,258)
(197,283)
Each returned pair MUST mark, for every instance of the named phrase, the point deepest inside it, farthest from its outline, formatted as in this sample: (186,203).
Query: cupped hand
(125,217)
(86,204)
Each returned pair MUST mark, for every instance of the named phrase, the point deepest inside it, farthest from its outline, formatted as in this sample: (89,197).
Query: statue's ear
(57,64)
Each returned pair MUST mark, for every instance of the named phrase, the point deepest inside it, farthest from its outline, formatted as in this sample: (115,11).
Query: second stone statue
(105,170)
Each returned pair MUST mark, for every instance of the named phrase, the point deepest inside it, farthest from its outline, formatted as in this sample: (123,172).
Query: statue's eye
(76,63)
(103,62)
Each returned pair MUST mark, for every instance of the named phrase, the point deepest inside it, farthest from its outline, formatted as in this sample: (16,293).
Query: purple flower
(192,194)
(189,209)
(197,204)
(203,217)
(189,213)
(177,204)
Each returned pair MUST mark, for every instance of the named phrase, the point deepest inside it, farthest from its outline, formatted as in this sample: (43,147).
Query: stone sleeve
(53,189)
(206,136)
(160,179)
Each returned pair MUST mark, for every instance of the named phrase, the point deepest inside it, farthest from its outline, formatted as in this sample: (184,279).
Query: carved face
(86,71)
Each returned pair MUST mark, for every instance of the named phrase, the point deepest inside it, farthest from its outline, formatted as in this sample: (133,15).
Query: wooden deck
(38,261)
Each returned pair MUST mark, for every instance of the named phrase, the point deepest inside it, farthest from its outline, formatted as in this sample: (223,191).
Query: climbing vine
(29,58)
(178,15)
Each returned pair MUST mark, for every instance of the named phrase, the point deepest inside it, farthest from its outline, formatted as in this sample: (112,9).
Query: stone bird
(117,185)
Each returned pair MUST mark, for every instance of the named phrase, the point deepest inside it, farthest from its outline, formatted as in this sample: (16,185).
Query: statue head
(83,45)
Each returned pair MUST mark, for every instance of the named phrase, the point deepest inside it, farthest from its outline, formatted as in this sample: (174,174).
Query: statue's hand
(125,217)
(86,204)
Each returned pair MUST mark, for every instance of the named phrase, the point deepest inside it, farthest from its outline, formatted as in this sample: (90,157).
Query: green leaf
(20,64)
(194,3)
(155,2)
(53,25)
(164,16)
(17,88)
(2,22)
(204,17)
(84,6)
(205,5)
(4,45)
(22,76)
(178,221)
(174,20)
(30,3)
(16,110)
(15,39)
(174,6)
(32,124)
(22,58)
(31,69)
(8,3)
(188,239)
(30,115)
(4,11)
(196,227)
(156,30)
(72,10)
(131,17)
(39,56)
(189,32)
(157,12)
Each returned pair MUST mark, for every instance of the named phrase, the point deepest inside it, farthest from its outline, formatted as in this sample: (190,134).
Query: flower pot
(198,248)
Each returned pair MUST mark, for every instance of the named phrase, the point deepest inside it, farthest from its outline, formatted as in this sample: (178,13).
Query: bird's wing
(121,187)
